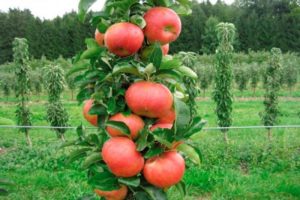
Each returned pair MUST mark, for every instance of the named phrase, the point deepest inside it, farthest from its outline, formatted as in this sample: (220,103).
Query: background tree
(21,56)
(290,75)
(254,76)
(56,114)
(223,78)
(209,38)
(205,74)
(272,86)
(241,76)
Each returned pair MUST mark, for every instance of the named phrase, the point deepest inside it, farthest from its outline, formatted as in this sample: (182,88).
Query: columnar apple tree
(138,97)
(21,57)
(223,79)
(272,86)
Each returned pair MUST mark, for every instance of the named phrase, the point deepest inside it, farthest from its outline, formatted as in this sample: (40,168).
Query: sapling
(223,78)
(21,57)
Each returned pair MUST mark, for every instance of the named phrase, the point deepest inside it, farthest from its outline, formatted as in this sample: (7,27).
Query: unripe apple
(99,37)
(93,119)
(163,25)
(121,157)
(149,99)
(124,39)
(134,122)
(119,194)
(165,170)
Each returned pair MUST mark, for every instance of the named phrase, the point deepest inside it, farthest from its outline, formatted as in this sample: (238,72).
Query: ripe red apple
(168,118)
(121,157)
(163,25)
(99,37)
(165,170)
(93,119)
(134,122)
(119,194)
(124,39)
(155,126)
(165,49)
(149,99)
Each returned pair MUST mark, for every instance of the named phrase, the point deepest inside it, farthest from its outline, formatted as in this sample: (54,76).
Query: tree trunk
(62,137)
(28,140)
(254,90)
(226,140)
(269,134)
(72,95)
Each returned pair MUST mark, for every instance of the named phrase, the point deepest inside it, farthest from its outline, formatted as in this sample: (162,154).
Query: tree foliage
(22,69)
(223,78)
(56,113)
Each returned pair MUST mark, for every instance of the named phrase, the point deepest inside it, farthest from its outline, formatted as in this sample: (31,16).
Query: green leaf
(142,195)
(132,181)
(125,68)
(168,73)
(84,94)
(153,152)
(83,7)
(164,3)
(181,9)
(142,140)
(105,181)
(78,66)
(121,126)
(168,63)
(195,127)
(75,155)
(68,143)
(164,136)
(155,193)
(91,53)
(186,71)
(97,109)
(111,106)
(138,20)
(91,159)
(80,130)
(156,55)
(182,114)
(190,152)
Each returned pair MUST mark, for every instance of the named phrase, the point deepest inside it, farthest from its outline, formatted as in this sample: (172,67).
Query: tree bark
(226,140)
(269,134)
(28,140)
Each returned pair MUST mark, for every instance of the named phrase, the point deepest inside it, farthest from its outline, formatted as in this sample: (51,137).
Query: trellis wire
(207,129)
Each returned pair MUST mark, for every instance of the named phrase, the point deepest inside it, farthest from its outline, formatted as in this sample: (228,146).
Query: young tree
(223,78)
(71,85)
(205,74)
(272,86)
(21,57)
(254,76)
(241,77)
(290,75)
(56,113)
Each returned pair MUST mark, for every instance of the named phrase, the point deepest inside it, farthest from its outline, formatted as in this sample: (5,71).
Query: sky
(49,9)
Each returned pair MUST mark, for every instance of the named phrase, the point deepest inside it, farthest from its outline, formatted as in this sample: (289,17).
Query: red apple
(124,39)
(165,49)
(163,25)
(121,157)
(165,170)
(149,99)
(168,118)
(119,194)
(93,119)
(99,37)
(134,122)
(155,126)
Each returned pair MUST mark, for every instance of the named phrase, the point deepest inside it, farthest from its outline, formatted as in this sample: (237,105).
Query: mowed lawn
(249,167)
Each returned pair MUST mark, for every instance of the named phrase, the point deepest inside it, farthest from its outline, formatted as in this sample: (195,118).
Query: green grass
(249,167)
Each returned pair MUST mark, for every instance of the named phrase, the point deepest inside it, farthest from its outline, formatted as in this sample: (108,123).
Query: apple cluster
(145,99)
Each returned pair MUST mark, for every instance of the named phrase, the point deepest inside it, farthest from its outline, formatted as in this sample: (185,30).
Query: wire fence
(206,128)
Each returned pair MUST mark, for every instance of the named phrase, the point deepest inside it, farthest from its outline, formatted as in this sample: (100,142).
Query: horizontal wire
(208,128)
